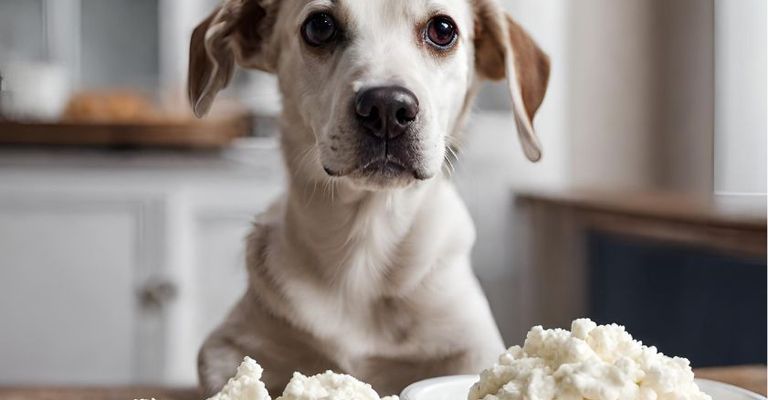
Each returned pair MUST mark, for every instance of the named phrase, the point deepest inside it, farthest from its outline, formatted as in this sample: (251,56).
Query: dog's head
(380,85)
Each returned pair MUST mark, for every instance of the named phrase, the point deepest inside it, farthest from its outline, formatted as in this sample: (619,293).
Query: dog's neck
(344,231)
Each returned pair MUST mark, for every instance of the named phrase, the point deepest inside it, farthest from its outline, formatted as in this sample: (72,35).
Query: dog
(363,266)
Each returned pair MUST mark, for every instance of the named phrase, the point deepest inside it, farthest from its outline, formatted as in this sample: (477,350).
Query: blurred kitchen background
(122,219)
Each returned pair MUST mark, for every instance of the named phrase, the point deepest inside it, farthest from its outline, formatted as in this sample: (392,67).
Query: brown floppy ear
(234,34)
(504,50)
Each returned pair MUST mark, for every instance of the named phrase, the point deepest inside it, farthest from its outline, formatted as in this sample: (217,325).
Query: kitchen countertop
(736,224)
(749,377)
(743,212)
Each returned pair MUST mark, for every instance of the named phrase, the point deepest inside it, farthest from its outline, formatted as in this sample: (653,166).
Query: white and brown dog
(370,275)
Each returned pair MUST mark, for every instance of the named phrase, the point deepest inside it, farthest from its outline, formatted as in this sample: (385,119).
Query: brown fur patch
(244,26)
(533,65)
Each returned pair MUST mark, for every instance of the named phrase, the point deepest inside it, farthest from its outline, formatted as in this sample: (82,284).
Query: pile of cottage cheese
(589,362)
(247,385)
(329,386)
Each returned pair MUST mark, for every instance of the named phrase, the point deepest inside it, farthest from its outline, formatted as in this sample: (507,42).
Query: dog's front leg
(228,344)
(273,342)
(217,361)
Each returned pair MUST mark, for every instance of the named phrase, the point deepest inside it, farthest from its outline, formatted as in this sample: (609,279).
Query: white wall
(642,95)
(612,96)
(21,30)
(179,18)
(740,140)
(683,135)
(630,106)
(115,51)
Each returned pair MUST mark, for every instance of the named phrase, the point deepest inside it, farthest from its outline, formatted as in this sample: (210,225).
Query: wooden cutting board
(198,134)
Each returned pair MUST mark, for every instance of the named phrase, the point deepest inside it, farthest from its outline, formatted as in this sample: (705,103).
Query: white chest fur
(385,277)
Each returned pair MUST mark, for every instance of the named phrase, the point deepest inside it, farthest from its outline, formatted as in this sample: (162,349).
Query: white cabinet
(216,281)
(210,266)
(114,266)
(67,293)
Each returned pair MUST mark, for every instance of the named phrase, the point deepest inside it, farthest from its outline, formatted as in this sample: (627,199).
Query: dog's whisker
(449,167)
(305,158)
(327,189)
(450,156)
(453,151)
(312,195)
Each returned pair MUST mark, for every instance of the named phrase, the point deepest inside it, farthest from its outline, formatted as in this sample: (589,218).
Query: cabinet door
(686,300)
(217,279)
(221,275)
(67,305)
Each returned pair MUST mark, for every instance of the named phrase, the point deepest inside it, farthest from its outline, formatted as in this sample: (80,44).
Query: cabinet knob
(156,293)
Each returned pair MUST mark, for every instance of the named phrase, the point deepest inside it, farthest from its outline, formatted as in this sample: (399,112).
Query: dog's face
(381,84)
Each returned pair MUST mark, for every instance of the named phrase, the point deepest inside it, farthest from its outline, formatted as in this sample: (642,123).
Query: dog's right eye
(441,32)
(319,29)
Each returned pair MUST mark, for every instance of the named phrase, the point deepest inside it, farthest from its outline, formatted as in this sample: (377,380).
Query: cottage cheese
(245,385)
(329,386)
(589,362)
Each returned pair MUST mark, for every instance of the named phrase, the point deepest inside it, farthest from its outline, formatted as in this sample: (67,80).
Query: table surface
(749,377)
(752,378)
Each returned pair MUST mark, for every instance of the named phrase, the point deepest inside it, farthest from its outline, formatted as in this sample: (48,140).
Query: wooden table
(105,393)
(749,377)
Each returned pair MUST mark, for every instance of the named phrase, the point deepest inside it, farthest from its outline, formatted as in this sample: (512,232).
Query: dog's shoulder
(256,244)
(263,228)
(258,239)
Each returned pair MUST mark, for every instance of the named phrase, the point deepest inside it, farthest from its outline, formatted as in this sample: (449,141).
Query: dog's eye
(441,32)
(319,29)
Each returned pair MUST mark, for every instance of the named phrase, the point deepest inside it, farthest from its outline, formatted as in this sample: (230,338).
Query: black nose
(386,111)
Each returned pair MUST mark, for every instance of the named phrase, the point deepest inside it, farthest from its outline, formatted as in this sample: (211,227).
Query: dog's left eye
(441,32)
(319,29)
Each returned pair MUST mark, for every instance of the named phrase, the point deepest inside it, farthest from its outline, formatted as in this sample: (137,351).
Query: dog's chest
(361,300)
(378,286)
(363,325)
(366,314)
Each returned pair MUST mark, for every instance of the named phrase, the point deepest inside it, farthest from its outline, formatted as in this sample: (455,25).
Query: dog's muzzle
(388,120)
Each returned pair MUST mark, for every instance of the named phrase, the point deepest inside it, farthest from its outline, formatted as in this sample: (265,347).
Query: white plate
(444,388)
(457,387)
